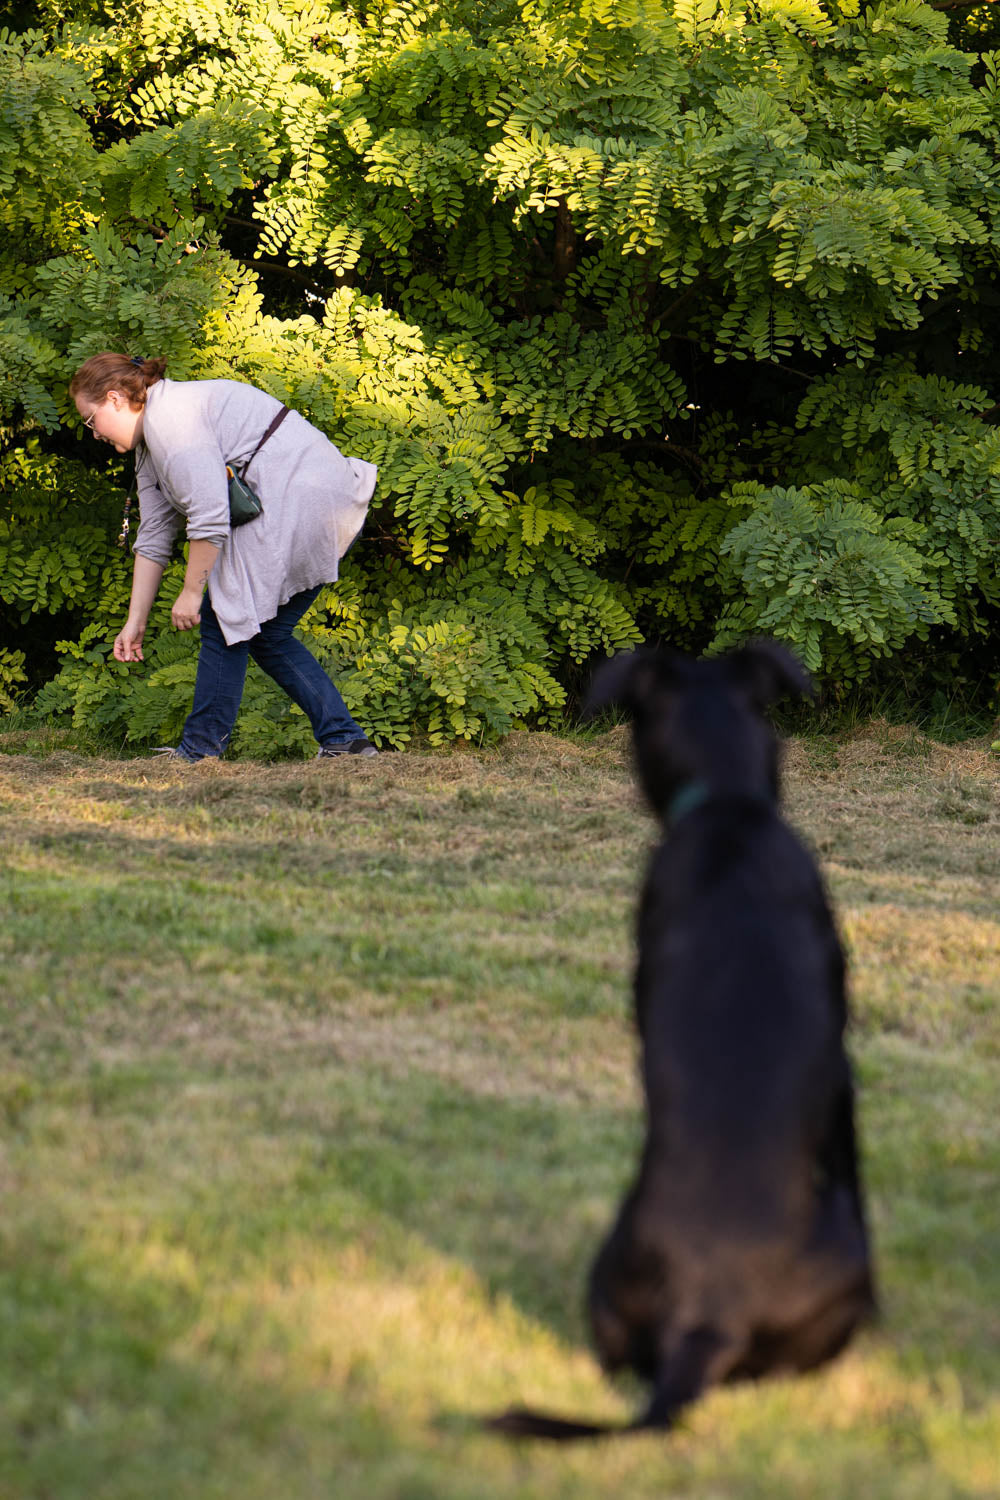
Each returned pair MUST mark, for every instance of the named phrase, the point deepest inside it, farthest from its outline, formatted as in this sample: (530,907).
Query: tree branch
(565,246)
(278,269)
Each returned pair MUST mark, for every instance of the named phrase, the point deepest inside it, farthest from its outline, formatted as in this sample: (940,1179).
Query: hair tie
(137,360)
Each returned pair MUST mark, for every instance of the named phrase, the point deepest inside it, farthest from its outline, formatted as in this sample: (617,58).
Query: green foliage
(46,151)
(116,702)
(826,572)
(468,667)
(58,561)
(829,571)
(661,320)
(12,675)
(919,444)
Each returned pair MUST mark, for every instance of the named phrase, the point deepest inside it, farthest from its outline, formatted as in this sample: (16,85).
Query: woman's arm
(186,611)
(146,576)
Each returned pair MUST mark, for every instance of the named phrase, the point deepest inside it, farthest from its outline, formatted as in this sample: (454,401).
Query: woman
(247,587)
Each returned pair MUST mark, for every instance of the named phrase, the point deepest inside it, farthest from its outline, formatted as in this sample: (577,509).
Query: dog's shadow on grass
(520,1190)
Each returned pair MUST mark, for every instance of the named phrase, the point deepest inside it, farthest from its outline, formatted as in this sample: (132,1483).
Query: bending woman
(247,587)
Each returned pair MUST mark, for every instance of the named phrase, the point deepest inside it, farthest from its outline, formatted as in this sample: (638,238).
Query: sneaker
(174,752)
(346,747)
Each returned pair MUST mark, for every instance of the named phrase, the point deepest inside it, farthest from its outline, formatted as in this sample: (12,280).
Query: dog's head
(701,721)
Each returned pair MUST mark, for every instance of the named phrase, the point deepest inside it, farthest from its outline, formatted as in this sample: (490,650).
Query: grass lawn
(317,1092)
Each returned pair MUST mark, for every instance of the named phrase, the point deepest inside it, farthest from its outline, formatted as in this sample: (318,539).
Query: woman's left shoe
(174,752)
(346,747)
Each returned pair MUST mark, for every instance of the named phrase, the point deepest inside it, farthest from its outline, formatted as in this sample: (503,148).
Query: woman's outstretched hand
(128,643)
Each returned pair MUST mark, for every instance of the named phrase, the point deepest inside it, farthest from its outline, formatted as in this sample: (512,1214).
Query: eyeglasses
(89,421)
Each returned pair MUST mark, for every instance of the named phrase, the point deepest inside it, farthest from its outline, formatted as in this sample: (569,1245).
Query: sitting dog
(741,1249)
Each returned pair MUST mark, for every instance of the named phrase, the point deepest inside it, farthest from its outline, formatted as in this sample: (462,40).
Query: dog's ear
(614,682)
(627,680)
(770,671)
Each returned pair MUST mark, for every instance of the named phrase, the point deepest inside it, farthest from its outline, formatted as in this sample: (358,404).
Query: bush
(643,347)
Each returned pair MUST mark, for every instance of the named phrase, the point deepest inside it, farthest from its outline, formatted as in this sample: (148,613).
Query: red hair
(117,372)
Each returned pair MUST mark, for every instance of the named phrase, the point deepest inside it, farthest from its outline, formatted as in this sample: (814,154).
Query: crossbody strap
(283,413)
(133,489)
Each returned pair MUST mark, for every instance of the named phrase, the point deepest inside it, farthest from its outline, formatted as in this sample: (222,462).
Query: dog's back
(740,1007)
(739,984)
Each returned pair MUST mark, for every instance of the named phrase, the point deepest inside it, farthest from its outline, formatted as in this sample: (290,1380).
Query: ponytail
(132,375)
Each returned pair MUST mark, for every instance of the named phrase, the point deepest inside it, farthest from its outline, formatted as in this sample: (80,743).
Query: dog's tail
(679,1381)
(520,1422)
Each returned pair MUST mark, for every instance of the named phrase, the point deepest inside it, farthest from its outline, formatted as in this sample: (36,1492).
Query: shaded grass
(318,1092)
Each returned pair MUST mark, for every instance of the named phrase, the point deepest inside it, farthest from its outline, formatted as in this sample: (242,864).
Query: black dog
(741,1249)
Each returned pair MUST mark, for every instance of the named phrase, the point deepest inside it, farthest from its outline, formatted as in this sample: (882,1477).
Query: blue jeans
(222,669)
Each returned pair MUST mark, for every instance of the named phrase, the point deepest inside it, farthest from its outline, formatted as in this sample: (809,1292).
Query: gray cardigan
(314,499)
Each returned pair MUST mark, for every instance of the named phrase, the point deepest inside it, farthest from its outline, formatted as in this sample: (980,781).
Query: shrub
(643,346)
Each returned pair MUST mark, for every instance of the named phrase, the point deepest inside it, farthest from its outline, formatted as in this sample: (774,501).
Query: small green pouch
(244,505)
